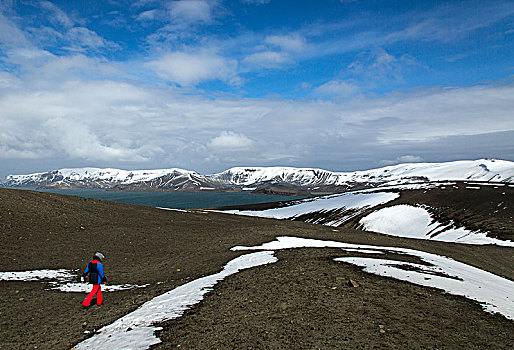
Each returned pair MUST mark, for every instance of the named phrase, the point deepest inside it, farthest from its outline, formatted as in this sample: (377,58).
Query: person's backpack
(93,273)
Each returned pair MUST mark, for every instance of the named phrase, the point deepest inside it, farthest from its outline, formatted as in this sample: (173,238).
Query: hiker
(95,268)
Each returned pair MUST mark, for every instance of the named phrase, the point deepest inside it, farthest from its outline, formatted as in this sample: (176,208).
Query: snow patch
(173,209)
(61,280)
(86,287)
(416,222)
(493,292)
(363,251)
(36,275)
(351,200)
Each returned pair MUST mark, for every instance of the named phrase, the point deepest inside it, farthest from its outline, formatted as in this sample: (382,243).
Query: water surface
(174,200)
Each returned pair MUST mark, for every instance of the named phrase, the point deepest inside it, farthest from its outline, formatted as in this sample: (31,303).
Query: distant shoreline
(169,199)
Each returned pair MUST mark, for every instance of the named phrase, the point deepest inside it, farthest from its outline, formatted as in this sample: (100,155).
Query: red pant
(96,290)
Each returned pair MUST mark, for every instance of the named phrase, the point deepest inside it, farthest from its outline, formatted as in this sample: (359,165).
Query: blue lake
(175,200)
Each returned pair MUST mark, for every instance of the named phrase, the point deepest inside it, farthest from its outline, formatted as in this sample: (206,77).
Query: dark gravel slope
(306,301)
(147,245)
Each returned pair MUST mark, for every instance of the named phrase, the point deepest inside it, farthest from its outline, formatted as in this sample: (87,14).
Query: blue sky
(206,85)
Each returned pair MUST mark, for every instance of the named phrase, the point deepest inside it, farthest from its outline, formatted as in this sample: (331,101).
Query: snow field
(399,220)
(416,222)
(349,200)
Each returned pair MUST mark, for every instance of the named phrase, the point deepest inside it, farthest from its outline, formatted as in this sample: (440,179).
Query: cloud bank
(107,121)
(203,85)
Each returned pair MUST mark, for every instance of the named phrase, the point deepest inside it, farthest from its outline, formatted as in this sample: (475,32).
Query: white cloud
(149,15)
(56,103)
(57,16)
(192,11)
(63,122)
(64,67)
(10,153)
(16,146)
(18,42)
(188,69)
(337,88)
(450,23)
(143,3)
(276,52)
(293,42)
(8,81)
(437,113)
(121,123)
(29,54)
(230,141)
(83,38)
(42,67)
(378,66)
(402,159)
(268,59)
(76,140)
(409,159)
(11,36)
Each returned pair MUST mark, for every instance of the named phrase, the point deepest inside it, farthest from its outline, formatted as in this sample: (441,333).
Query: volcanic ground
(306,300)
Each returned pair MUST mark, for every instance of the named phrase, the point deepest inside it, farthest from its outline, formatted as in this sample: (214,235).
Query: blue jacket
(95,268)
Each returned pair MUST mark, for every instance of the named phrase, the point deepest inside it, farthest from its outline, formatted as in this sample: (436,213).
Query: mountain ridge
(266,179)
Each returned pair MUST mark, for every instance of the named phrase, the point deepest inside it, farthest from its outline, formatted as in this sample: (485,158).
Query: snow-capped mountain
(252,176)
(241,178)
(484,170)
(159,179)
